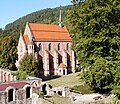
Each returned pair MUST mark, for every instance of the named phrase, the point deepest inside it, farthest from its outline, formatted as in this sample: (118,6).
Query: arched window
(10,95)
(28,92)
(58,46)
(67,46)
(40,47)
(49,47)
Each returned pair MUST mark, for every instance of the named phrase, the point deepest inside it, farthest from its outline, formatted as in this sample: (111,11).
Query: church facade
(51,46)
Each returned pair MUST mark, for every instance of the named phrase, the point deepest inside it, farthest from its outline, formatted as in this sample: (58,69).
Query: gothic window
(28,92)
(58,46)
(40,47)
(67,46)
(49,47)
(59,59)
(10,95)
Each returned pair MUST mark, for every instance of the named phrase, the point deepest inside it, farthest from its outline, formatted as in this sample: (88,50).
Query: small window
(67,46)
(10,95)
(49,47)
(58,46)
(28,92)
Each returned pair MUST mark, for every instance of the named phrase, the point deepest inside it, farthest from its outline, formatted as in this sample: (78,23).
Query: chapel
(51,46)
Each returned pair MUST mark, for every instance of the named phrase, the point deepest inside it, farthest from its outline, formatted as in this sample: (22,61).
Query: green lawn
(72,81)
(56,99)
(67,81)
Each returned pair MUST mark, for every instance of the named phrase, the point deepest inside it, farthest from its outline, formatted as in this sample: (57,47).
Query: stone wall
(20,94)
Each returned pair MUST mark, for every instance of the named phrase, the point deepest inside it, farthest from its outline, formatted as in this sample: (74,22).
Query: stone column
(63,93)
(64,57)
(48,90)
(73,62)
(11,77)
(14,78)
(3,77)
(35,99)
(65,71)
(62,71)
(56,61)
(46,63)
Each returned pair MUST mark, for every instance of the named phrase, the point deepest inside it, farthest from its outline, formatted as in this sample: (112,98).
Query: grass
(72,81)
(67,81)
(56,99)
(83,89)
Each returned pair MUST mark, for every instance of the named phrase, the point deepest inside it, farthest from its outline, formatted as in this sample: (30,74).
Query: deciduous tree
(29,65)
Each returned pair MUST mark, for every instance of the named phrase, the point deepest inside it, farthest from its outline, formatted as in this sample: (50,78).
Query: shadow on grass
(86,89)
(45,78)
(82,89)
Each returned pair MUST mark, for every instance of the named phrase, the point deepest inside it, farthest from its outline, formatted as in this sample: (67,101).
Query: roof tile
(17,85)
(49,32)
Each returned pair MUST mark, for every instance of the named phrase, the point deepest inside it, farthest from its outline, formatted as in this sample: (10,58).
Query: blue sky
(10,10)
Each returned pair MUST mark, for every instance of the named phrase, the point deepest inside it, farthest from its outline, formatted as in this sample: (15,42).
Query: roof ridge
(43,24)
(51,31)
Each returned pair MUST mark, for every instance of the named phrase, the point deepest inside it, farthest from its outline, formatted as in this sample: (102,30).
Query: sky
(11,10)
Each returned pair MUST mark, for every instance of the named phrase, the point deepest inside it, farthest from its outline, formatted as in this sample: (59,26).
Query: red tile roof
(62,65)
(49,32)
(25,37)
(17,85)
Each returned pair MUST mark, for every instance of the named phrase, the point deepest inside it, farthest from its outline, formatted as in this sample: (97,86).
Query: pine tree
(96,28)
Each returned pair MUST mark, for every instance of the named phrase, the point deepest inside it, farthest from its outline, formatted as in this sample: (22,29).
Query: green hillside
(49,16)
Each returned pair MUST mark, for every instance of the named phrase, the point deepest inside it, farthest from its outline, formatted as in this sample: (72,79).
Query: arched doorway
(10,95)
(44,89)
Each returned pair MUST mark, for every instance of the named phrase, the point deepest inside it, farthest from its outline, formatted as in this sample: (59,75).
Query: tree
(8,53)
(48,16)
(20,75)
(29,65)
(96,28)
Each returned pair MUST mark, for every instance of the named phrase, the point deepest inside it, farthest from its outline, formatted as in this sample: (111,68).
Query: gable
(25,37)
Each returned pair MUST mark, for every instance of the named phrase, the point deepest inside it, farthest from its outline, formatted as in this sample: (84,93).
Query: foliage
(82,89)
(115,101)
(7,53)
(29,65)
(9,36)
(41,94)
(96,28)
(20,75)
(48,16)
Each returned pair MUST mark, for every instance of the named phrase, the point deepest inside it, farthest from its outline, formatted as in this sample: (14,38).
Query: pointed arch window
(58,46)
(49,47)
(67,46)
(40,47)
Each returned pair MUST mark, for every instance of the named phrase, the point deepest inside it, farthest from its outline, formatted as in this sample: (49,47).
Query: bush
(20,75)
(41,94)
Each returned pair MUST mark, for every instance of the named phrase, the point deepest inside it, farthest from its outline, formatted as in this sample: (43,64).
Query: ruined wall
(3,96)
